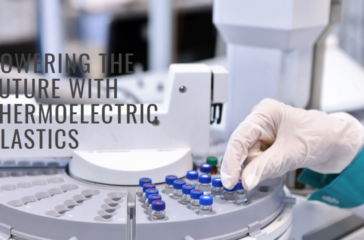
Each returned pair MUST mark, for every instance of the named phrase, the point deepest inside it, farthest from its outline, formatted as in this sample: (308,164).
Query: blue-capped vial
(195,198)
(229,195)
(151,199)
(206,202)
(158,210)
(142,181)
(177,185)
(186,191)
(192,178)
(145,187)
(147,193)
(205,183)
(217,188)
(241,196)
(169,184)
(206,169)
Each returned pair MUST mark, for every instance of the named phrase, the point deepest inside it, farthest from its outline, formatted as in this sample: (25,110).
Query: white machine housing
(120,154)
(270,47)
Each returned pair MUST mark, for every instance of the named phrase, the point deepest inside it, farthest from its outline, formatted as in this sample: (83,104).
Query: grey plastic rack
(42,202)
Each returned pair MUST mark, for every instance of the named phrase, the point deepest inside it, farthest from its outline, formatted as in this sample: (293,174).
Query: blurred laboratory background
(159,33)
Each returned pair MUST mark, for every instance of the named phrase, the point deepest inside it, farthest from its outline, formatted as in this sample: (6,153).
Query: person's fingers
(268,164)
(256,133)
(243,142)
(240,141)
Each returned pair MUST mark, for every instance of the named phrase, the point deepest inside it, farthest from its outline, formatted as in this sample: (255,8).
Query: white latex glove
(276,138)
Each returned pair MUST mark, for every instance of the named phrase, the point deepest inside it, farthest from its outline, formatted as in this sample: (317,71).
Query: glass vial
(158,210)
(142,181)
(148,192)
(241,196)
(206,202)
(169,184)
(145,187)
(151,199)
(217,189)
(229,195)
(186,191)
(195,198)
(192,178)
(177,185)
(205,183)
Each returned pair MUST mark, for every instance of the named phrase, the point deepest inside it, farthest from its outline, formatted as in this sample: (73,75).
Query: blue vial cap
(238,186)
(196,193)
(206,200)
(204,178)
(192,175)
(186,189)
(147,186)
(151,191)
(158,205)
(229,190)
(144,180)
(177,184)
(206,168)
(216,182)
(154,197)
(170,179)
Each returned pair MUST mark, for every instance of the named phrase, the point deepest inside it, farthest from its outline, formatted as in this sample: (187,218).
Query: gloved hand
(276,138)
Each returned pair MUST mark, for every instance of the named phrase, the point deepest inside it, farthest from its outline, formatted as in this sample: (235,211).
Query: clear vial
(177,194)
(229,195)
(192,178)
(206,202)
(169,184)
(168,189)
(142,181)
(186,199)
(205,187)
(217,189)
(177,185)
(241,196)
(151,199)
(195,198)
(146,186)
(158,210)
(148,192)
(195,204)
(186,191)
(205,183)
(205,210)
(158,215)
